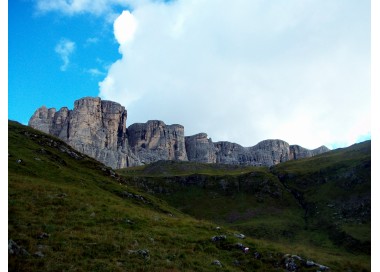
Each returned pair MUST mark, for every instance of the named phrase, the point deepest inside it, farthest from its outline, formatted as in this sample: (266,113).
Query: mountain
(67,211)
(98,128)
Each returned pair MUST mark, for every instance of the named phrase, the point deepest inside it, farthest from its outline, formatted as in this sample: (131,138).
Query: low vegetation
(68,212)
(319,205)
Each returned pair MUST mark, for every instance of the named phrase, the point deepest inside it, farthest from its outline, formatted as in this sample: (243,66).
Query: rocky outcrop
(200,148)
(231,153)
(94,127)
(298,152)
(265,153)
(98,128)
(153,141)
(270,152)
(42,119)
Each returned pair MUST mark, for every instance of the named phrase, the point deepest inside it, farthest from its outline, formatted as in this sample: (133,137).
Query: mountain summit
(97,128)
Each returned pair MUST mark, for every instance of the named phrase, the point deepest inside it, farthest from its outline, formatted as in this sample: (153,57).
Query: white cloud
(92,40)
(71,7)
(250,70)
(124,27)
(64,49)
(106,8)
(95,72)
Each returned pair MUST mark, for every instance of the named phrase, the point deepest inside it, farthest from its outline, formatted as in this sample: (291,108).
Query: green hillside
(319,205)
(68,212)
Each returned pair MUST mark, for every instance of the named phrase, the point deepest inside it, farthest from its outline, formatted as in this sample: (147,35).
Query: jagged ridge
(98,128)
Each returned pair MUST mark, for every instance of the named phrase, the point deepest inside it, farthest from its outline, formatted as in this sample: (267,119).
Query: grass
(183,168)
(96,221)
(319,206)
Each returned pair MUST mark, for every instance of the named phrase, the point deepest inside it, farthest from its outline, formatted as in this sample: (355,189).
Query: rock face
(94,127)
(200,149)
(154,141)
(298,152)
(265,153)
(42,119)
(98,128)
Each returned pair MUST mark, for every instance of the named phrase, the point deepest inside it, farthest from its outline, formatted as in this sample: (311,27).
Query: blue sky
(297,70)
(35,77)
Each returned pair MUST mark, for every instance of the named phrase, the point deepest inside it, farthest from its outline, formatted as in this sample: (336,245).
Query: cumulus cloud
(248,71)
(64,49)
(124,27)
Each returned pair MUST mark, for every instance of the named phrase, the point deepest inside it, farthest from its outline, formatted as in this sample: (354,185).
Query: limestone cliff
(98,128)
(94,127)
(299,152)
(270,152)
(200,149)
(265,153)
(153,141)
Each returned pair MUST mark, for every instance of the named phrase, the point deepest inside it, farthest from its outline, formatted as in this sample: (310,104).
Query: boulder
(15,249)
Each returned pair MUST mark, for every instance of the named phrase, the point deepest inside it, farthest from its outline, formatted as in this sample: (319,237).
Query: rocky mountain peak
(98,128)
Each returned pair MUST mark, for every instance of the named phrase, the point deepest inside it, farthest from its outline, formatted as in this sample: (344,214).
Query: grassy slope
(97,223)
(320,205)
(335,191)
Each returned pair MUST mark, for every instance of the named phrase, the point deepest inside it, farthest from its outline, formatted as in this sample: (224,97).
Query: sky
(296,70)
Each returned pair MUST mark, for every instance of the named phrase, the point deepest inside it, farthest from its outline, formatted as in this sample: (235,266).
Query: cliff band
(98,129)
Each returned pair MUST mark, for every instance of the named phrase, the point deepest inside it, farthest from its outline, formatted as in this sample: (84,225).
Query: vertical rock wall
(200,149)
(98,129)
(153,141)
(94,127)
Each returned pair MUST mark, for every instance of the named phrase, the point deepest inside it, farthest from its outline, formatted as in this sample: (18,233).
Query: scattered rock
(135,196)
(19,161)
(295,262)
(39,254)
(129,221)
(297,257)
(217,263)
(218,238)
(322,267)
(42,247)
(62,195)
(240,246)
(257,255)
(43,235)
(15,249)
(141,252)
(290,264)
(240,235)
